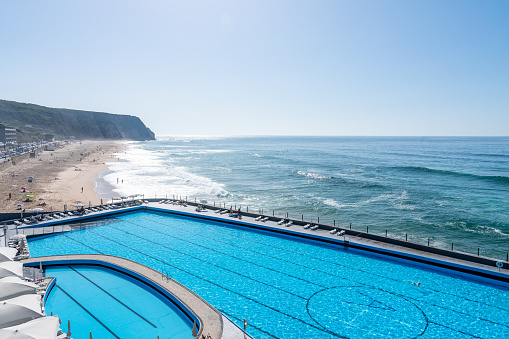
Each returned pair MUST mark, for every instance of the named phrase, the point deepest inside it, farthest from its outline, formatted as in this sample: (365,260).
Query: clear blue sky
(380,67)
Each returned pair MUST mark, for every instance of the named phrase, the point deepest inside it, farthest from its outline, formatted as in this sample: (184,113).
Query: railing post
(318,220)
(452,246)
(385,233)
(334,222)
(350,225)
(367,229)
(406,236)
(477,251)
(428,242)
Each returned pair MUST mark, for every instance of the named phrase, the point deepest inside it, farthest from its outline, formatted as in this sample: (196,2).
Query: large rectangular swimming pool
(290,288)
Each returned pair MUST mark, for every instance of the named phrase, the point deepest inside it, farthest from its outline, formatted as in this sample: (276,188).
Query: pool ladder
(165,275)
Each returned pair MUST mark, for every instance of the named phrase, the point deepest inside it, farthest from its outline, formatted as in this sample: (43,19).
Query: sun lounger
(307,226)
(224,211)
(334,231)
(314,228)
(265,219)
(340,233)
(289,223)
(218,211)
(281,222)
(259,218)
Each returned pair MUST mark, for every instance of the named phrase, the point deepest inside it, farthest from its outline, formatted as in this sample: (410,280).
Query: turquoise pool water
(111,305)
(288,288)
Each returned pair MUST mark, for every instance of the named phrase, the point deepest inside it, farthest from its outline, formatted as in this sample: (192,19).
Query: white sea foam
(333,203)
(313,175)
(155,174)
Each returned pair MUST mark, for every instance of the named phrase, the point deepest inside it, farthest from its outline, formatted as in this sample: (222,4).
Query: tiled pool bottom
(294,289)
(109,304)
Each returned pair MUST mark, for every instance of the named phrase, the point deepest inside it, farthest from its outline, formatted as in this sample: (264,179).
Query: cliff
(33,121)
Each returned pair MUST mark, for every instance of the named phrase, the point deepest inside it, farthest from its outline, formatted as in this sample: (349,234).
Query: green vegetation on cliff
(33,121)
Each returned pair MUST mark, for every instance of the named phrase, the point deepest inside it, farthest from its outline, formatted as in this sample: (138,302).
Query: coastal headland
(60,177)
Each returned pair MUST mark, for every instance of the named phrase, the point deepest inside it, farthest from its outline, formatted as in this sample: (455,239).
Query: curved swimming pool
(111,304)
(291,288)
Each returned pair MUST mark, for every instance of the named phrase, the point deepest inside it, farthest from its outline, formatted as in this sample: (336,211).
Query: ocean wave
(314,175)
(141,171)
(495,178)
(334,203)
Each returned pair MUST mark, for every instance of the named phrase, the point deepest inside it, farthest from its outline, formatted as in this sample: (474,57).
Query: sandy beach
(63,176)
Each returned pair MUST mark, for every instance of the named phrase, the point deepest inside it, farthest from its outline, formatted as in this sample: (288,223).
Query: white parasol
(7,254)
(19,310)
(40,328)
(11,268)
(11,287)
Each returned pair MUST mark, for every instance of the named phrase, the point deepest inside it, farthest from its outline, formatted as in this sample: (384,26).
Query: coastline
(59,176)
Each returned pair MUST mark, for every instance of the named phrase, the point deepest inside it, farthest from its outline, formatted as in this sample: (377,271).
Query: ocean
(450,191)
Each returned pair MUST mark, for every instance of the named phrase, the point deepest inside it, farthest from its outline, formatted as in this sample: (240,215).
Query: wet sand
(58,182)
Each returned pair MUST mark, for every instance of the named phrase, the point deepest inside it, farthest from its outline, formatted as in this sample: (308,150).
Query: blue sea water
(450,190)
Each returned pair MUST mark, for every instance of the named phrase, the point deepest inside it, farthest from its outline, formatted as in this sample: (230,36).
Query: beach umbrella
(19,310)
(30,177)
(11,287)
(18,237)
(20,205)
(41,198)
(11,268)
(23,188)
(7,254)
(40,328)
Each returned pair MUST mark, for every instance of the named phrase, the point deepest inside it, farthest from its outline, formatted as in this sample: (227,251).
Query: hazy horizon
(363,68)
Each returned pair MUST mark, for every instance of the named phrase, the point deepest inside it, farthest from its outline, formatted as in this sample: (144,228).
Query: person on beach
(238,214)
(82,190)
(10,196)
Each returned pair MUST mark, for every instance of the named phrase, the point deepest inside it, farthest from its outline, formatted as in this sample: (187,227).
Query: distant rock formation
(33,122)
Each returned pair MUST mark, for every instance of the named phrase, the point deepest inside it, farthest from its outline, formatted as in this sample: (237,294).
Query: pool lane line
(227,289)
(408,297)
(79,242)
(223,253)
(120,302)
(452,329)
(84,308)
(401,295)
(329,262)
(250,324)
(210,263)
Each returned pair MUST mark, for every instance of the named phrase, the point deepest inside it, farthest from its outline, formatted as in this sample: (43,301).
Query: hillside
(33,121)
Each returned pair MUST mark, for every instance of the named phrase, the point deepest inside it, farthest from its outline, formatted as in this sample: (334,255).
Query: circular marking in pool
(360,311)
